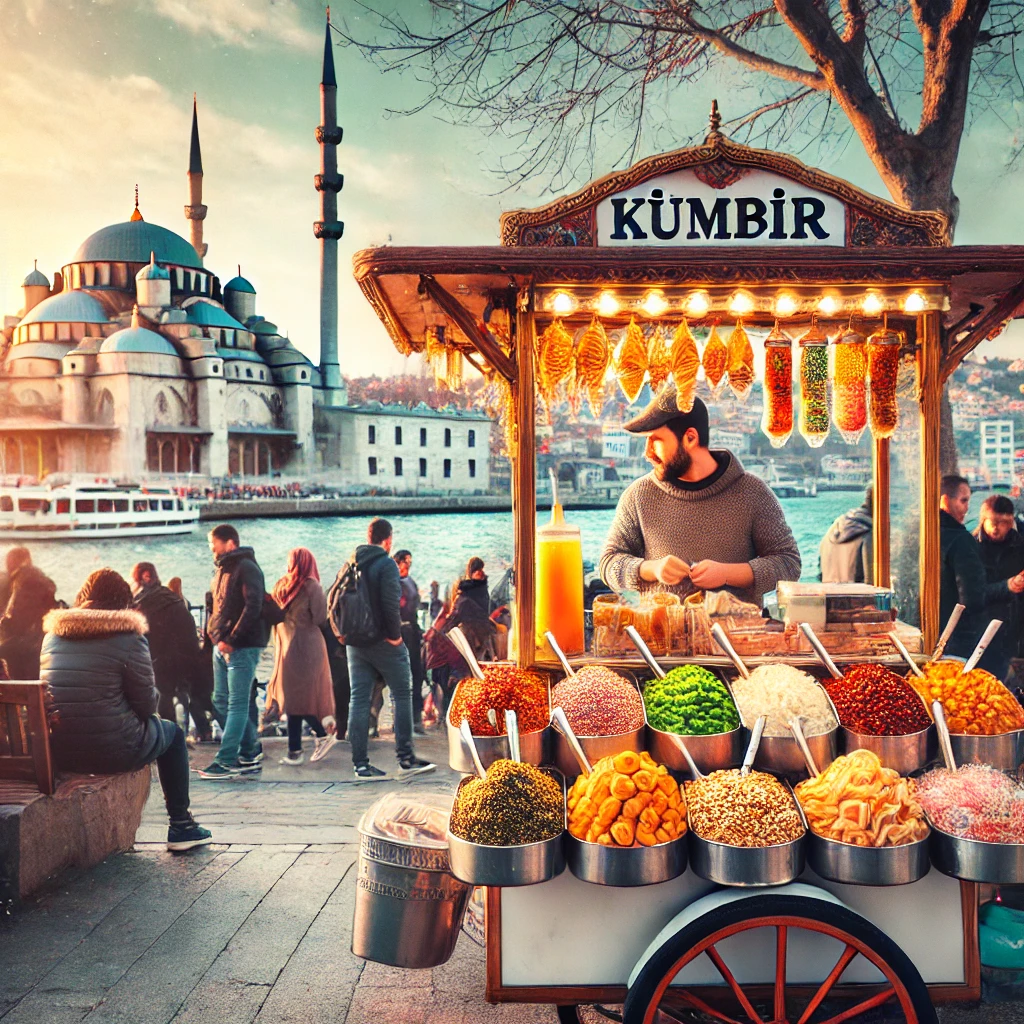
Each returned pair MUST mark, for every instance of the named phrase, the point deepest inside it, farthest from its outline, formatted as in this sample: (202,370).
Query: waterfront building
(997,450)
(136,362)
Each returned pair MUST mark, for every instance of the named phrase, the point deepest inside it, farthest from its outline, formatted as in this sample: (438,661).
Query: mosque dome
(36,279)
(239,284)
(135,241)
(75,307)
(264,327)
(153,271)
(138,339)
(206,314)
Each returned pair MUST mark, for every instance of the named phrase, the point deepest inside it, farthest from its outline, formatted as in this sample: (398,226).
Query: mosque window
(49,332)
(371,434)
(33,332)
(472,467)
(216,368)
(423,437)
(471,443)
(447,469)
(186,282)
(303,375)
(120,275)
(423,467)
(77,331)
(76,276)
(248,372)
(261,375)
(90,275)
(372,465)
(398,467)
(161,403)
(103,274)
(74,366)
(447,437)
(398,435)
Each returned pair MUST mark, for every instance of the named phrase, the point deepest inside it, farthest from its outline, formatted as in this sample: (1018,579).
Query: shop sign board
(761,208)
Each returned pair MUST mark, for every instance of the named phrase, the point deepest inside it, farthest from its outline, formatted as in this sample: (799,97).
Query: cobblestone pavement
(253,929)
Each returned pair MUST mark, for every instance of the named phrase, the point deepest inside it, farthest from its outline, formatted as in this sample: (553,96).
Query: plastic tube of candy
(740,363)
(777,422)
(814,413)
(883,371)
(849,387)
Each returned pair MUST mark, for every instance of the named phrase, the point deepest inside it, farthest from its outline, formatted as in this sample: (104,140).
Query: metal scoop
(801,742)
(726,644)
(695,772)
(561,723)
(464,648)
(467,737)
(645,652)
(570,672)
(986,638)
(755,741)
(512,728)
(945,745)
(954,618)
(905,654)
(819,650)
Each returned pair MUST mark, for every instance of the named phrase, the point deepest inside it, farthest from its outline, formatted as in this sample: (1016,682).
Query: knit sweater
(736,518)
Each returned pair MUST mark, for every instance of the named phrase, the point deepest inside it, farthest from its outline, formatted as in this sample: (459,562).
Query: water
(441,544)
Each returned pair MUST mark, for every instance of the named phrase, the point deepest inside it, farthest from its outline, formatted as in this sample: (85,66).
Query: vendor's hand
(709,575)
(1016,583)
(668,570)
(395,643)
(225,649)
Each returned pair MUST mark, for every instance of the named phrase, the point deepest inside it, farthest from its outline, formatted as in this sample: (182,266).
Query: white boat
(92,509)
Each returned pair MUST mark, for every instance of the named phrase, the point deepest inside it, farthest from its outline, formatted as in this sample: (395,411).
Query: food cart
(717,232)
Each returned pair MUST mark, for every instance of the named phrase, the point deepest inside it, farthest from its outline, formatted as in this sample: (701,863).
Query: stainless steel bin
(409,906)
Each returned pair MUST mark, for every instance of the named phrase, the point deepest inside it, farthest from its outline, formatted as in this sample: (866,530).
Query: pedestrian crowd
(128,669)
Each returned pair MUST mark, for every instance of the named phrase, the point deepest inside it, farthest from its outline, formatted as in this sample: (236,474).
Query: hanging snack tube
(715,362)
(814,418)
(685,363)
(593,353)
(740,362)
(883,371)
(658,364)
(777,422)
(849,387)
(631,364)
(554,359)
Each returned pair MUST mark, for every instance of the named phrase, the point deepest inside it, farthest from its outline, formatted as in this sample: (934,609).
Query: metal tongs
(726,644)
(954,618)
(986,638)
(561,722)
(819,649)
(570,672)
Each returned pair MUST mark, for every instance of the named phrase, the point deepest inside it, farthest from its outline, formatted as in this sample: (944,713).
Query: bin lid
(420,820)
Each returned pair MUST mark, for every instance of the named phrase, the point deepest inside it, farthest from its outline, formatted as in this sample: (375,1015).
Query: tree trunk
(949,457)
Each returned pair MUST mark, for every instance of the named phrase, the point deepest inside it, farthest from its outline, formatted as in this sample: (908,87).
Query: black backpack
(350,610)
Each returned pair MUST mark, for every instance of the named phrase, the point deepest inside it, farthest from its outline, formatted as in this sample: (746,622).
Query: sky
(96,96)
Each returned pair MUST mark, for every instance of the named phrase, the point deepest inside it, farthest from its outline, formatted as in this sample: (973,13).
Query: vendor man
(697,521)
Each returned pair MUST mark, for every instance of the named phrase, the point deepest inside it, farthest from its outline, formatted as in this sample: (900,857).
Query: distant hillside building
(997,451)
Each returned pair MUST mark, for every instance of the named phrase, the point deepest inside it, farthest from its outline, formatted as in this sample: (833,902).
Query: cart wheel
(568,1015)
(650,999)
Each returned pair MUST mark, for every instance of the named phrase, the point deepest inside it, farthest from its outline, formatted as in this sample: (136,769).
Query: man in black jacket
(963,574)
(237,629)
(30,596)
(387,658)
(1002,553)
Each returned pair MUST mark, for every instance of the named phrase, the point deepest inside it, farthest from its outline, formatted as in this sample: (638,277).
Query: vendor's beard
(676,467)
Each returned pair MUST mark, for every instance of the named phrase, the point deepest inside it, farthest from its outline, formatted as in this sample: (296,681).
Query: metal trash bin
(409,906)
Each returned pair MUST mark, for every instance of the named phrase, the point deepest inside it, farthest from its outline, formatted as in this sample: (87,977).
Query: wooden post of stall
(524,480)
(880,514)
(929,332)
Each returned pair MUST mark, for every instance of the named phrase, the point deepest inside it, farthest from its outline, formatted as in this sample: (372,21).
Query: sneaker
(248,762)
(293,757)
(249,769)
(219,772)
(419,730)
(367,771)
(323,744)
(187,835)
(415,766)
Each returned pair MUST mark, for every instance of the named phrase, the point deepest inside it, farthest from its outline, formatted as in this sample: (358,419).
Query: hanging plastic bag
(849,385)
(814,412)
(740,363)
(777,422)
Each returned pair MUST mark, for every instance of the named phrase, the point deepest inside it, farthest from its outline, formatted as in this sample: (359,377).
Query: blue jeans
(233,698)
(365,664)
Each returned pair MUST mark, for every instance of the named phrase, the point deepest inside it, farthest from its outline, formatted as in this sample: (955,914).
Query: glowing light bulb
(654,303)
(785,304)
(829,305)
(563,303)
(914,303)
(698,304)
(741,302)
(607,304)
(872,304)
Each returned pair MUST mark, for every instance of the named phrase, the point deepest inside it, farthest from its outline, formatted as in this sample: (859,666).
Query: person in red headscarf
(301,682)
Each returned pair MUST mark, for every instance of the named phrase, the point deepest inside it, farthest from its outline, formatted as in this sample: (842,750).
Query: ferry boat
(92,509)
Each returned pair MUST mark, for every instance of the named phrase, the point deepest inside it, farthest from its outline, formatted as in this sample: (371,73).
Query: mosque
(136,362)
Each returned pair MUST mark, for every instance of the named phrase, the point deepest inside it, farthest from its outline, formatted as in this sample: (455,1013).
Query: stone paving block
(80,980)
(159,981)
(52,924)
(317,984)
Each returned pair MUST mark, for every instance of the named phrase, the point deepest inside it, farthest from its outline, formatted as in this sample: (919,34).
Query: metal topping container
(409,906)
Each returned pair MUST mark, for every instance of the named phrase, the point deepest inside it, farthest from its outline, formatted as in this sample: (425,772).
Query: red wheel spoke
(699,1004)
(780,972)
(826,986)
(868,1004)
(726,974)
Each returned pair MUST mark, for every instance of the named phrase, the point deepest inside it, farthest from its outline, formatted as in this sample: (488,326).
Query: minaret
(328,228)
(195,211)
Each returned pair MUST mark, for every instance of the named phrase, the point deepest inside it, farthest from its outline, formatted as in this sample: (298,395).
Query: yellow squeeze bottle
(559,596)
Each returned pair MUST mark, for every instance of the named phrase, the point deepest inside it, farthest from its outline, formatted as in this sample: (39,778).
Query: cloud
(247,24)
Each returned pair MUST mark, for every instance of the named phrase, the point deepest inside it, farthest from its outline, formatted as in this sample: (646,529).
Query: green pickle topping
(690,701)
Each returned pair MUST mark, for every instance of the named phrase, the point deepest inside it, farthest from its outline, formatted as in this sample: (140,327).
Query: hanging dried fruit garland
(685,363)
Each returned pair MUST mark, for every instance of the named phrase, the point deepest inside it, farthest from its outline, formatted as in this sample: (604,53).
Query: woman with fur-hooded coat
(95,661)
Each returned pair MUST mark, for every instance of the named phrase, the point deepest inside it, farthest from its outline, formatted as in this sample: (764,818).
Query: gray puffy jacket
(97,666)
